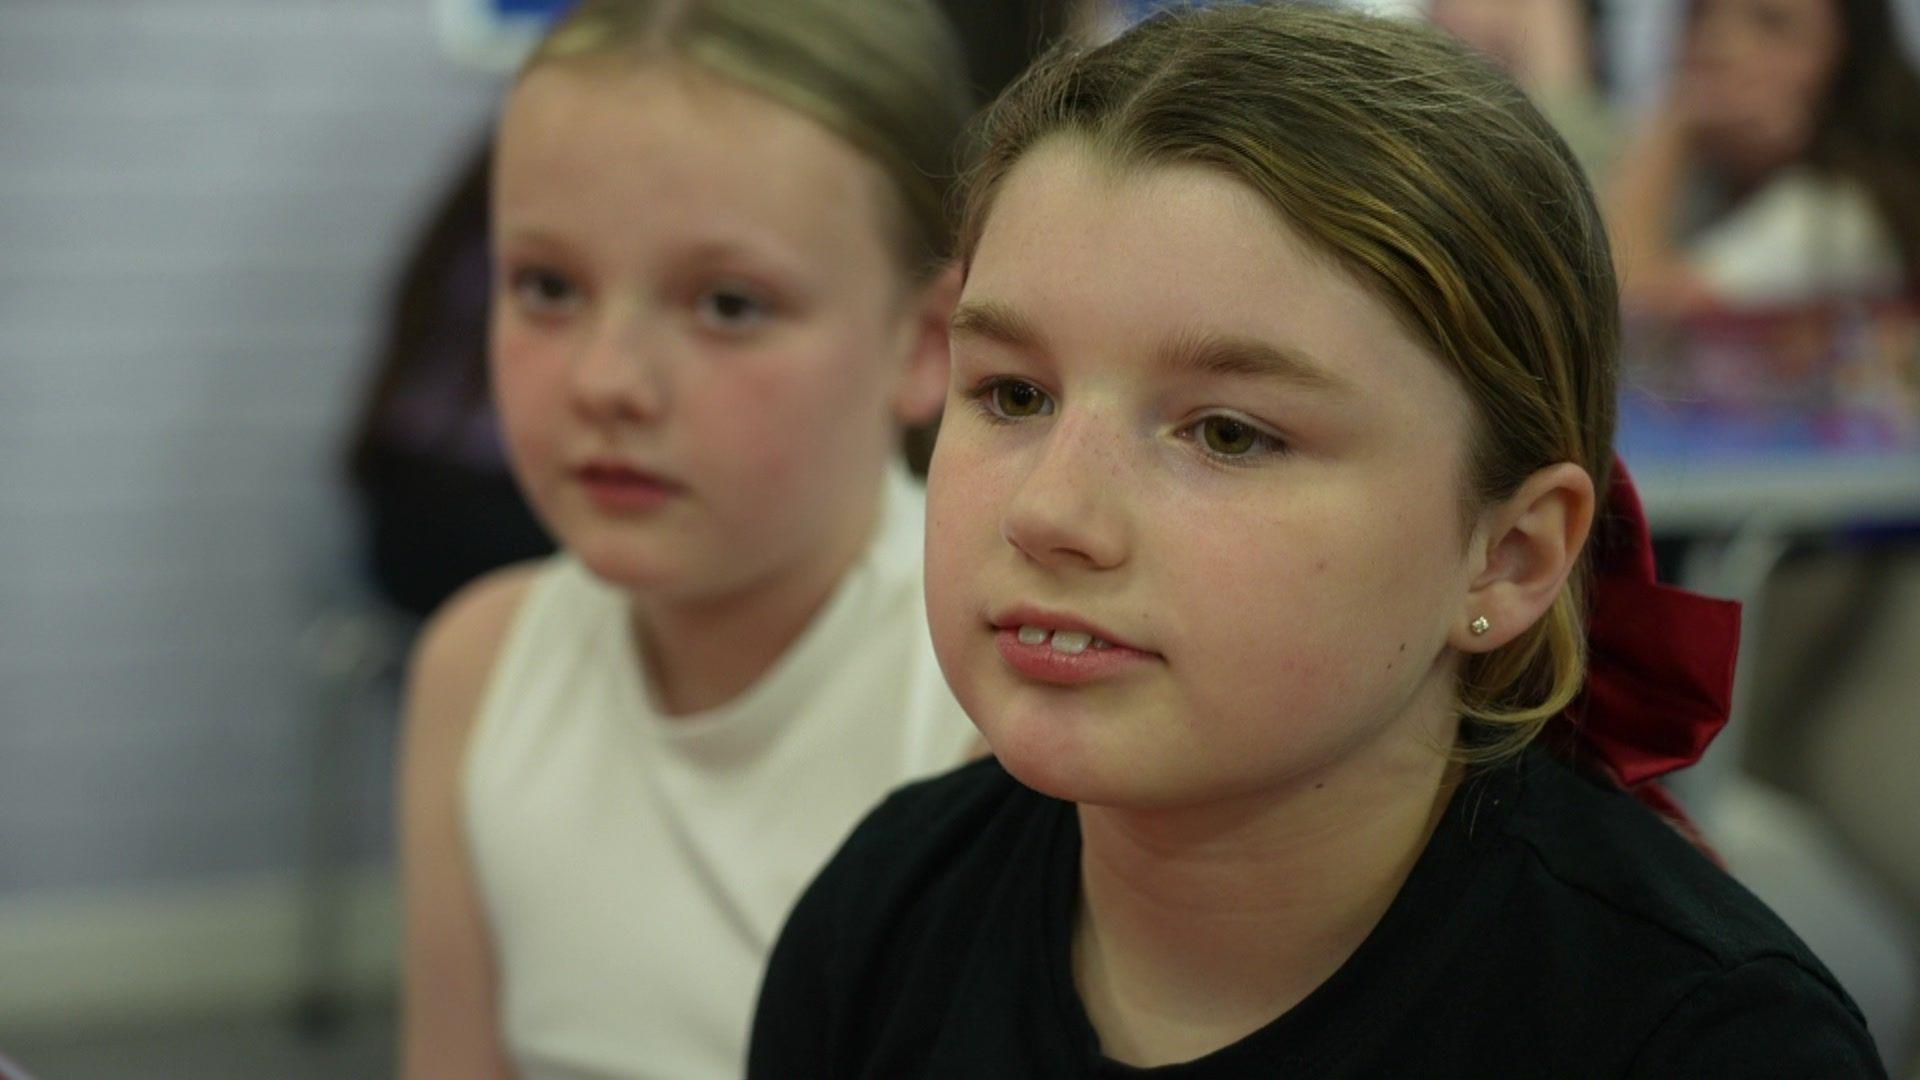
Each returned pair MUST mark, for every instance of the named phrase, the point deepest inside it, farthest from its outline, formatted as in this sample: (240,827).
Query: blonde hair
(885,75)
(1427,175)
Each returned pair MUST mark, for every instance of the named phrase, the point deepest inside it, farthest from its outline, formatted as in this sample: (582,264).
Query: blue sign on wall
(495,33)
(545,10)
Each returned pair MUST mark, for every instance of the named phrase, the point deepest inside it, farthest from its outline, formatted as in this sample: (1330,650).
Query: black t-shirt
(1553,928)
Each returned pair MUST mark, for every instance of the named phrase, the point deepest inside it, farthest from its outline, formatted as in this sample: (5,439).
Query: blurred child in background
(1547,46)
(718,231)
(1783,167)
(438,504)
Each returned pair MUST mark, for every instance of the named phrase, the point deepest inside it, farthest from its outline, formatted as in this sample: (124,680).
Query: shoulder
(451,979)
(1601,844)
(458,647)
(1659,928)
(446,682)
(1765,1017)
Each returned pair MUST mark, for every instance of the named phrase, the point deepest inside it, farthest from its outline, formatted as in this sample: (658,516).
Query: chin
(1084,782)
(624,567)
(1062,759)
(1049,774)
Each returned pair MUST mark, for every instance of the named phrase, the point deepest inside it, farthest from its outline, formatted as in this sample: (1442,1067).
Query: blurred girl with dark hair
(1784,166)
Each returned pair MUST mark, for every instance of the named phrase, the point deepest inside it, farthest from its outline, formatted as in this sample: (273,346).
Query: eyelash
(982,397)
(522,281)
(525,283)
(762,309)
(1265,444)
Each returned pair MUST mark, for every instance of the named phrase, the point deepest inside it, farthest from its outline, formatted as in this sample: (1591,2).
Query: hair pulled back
(885,75)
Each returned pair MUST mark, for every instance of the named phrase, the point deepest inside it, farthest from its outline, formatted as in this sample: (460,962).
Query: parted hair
(885,75)
(1428,176)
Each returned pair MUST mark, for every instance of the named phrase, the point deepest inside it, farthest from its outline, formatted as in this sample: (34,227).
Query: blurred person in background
(438,504)
(1547,46)
(1783,166)
(719,235)
(1541,43)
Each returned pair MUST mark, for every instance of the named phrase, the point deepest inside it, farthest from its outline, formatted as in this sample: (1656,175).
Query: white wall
(200,205)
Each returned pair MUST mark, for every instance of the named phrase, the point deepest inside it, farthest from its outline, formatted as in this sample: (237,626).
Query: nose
(1067,512)
(619,373)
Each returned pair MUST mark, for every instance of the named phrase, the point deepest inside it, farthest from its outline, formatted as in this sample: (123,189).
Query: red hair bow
(1660,661)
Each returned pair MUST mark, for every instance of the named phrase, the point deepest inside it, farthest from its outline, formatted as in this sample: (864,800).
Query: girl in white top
(1784,166)
(719,230)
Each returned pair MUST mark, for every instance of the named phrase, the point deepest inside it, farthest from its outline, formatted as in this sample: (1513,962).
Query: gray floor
(263,1047)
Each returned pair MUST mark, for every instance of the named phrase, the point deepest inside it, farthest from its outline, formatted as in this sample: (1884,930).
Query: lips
(1064,650)
(619,488)
(1071,642)
(620,472)
(1062,631)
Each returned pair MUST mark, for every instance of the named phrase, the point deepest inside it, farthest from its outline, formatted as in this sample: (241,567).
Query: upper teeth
(1066,641)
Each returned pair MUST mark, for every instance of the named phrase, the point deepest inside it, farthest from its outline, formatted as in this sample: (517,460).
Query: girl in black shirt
(1258,549)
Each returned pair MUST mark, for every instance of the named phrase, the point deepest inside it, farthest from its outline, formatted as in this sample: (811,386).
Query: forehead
(585,137)
(1124,257)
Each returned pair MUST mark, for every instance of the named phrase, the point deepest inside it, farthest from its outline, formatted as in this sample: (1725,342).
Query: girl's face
(1174,426)
(1494,27)
(1757,73)
(700,329)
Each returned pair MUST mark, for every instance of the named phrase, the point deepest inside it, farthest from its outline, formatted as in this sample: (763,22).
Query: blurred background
(203,204)
(245,444)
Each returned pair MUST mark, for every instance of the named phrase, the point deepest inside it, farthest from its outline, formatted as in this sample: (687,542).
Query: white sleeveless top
(636,868)
(1803,237)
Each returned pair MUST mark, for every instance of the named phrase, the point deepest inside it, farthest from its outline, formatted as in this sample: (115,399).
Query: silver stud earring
(1479,626)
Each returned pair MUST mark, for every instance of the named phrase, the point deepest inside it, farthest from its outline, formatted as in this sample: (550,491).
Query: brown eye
(1016,400)
(543,291)
(732,310)
(1228,437)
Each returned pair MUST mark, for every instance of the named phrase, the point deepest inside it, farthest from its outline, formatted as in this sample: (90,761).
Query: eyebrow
(999,323)
(1232,356)
(1220,355)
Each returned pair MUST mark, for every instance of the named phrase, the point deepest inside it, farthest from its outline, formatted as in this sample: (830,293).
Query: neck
(1199,926)
(704,652)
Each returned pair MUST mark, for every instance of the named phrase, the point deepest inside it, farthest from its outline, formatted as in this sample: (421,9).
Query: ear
(922,386)
(1525,546)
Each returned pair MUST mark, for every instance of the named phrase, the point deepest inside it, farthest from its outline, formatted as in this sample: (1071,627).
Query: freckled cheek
(1277,615)
(960,503)
(975,475)
(966,491)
